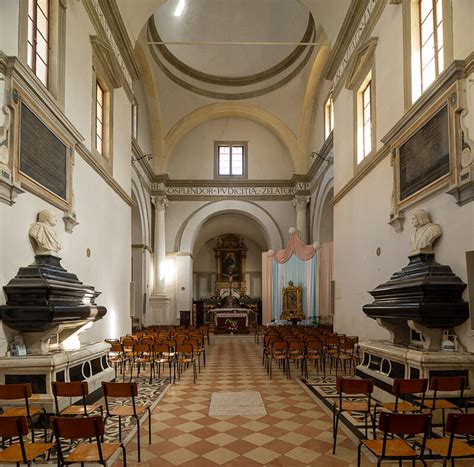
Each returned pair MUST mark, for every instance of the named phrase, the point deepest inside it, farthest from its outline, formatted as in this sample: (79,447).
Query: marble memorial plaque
(43,156)
(424,158)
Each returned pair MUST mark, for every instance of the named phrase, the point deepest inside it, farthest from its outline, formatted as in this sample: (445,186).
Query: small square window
(328,117)
(230,159)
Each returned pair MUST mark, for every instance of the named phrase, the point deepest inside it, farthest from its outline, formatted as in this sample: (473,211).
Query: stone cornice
(455,71)
(92,161)
(24,78)
(119,31)
(141,163)
(101,26)
(348,28)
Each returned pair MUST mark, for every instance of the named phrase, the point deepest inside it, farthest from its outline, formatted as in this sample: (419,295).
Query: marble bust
(425,234)
(46,241)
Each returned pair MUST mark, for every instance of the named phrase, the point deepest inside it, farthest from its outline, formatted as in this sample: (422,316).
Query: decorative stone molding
(160,202)
(70,221)
(359,62)
(300,202)
(9,190)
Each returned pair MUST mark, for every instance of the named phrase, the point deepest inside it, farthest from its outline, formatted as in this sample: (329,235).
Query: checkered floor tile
(296,431)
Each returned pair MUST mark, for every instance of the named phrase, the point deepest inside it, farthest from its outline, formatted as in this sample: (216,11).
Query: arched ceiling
(231,21)
(234,223)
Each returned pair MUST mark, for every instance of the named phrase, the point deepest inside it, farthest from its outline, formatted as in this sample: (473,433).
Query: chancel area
(237,232)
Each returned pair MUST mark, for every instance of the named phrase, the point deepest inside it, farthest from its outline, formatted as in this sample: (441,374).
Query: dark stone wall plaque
(43,156)
(425,156)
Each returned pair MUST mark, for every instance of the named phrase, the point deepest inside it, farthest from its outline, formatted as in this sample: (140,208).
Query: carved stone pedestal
(89,363)
(160,306)
(384,362)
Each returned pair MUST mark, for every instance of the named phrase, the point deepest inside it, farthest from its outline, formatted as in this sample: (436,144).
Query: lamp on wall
(147,157)
(320,156)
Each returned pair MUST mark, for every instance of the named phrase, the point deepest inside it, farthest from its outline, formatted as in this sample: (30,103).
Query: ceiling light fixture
(179,8)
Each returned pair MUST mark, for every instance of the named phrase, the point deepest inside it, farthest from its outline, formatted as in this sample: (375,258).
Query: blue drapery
(304,275)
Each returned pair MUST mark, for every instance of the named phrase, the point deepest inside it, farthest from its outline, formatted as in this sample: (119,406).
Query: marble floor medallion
(246,403)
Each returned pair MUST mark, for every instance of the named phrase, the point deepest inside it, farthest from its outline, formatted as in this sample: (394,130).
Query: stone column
(159,300)
(300,202)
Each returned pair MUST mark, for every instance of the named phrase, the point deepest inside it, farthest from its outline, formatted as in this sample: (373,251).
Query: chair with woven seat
(349,389)
(24,392)
(76,389)
(314,353)
(83,428)
(142,355)
(389,448)
(277,353)
(450,447)
(125,390)
(343,356)
(296,352)
(403,387)
(21,452)
(446,384)
(185,356)
(163,355)
(116,356)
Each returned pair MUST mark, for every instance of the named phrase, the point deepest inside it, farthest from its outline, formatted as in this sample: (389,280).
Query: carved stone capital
(160,202)
(9,190)
(300,202)
(397,221)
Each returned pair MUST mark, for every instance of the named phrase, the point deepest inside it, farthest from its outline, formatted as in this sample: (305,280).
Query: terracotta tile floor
(296,431)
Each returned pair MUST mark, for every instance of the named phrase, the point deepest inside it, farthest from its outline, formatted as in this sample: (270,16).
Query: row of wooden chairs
(71,391)
(176,354)
(354,395)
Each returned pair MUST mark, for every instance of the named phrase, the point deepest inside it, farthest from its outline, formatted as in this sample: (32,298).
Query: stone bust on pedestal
(46,241)
(425,234)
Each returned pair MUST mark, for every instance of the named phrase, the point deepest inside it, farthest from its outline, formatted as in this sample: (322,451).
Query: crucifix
(230,277)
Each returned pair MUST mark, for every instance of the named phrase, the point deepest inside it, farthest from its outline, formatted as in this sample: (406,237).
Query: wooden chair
(454,384)
(395,448)
(142,355)
(349,389)
(343,356)
(83,428)
(296,352)
(74,389)
(277,353)
(403,387)
(314,353)
(162,355)
(451,447)
(21,452)
(184,357)
(125,390)
(22,392)
(116,356)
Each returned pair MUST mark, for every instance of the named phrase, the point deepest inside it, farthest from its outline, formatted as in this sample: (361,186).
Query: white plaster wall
(144,129)
(122,133)
(104,228)
(9,18)
(463,35)
(78,69)
(193,156)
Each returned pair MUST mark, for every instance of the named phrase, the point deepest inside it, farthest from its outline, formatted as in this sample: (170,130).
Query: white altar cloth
(231,313)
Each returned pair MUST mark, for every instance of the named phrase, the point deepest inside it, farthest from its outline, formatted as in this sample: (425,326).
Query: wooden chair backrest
(13,426)
(354,386)
(404,424)
(80,427)
(70,389)
(448,383)
(410,386)
(120,389)
(460,424)
(15,391)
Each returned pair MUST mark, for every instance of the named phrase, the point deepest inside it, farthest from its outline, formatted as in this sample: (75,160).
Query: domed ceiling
(232,70)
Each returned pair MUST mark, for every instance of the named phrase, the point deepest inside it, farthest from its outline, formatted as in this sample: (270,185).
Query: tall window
(38,38)
(135,121)
(99,118)
(431,40)
(230,159)
(328,117)
(364,119)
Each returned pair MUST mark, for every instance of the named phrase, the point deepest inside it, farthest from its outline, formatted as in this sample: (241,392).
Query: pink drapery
(296,246)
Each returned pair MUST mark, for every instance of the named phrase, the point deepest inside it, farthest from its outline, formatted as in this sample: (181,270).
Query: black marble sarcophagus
(425,292)
(44,295)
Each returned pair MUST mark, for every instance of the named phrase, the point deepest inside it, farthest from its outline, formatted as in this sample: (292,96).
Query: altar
(239,315)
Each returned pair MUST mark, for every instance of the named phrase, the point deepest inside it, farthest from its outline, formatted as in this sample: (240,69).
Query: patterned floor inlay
(236,403)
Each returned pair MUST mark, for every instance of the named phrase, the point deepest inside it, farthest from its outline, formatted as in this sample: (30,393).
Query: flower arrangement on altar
(231,324)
